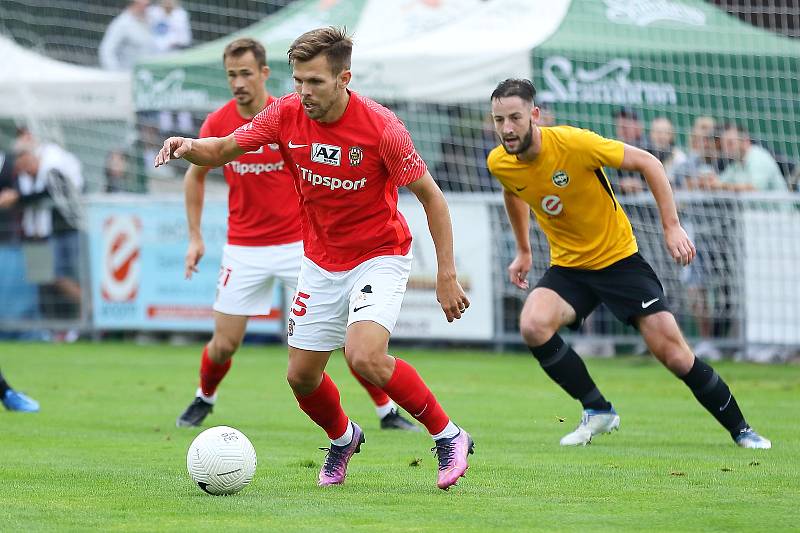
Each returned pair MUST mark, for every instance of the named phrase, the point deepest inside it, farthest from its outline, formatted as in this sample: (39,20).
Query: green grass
(104,453)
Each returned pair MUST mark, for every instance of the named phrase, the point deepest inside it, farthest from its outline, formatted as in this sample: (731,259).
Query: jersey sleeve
(600,151)
(399,155)
(264,129)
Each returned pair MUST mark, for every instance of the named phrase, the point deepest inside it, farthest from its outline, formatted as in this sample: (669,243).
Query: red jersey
(347,173)
(263,208)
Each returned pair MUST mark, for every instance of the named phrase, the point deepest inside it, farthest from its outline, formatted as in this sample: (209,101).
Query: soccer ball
(221,460)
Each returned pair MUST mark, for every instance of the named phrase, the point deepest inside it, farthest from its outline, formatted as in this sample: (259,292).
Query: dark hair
(332,42)
(239,47)
(626,112)
(732,125)
(515,87)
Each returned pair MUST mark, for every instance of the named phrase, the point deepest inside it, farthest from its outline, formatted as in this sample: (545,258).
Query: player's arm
(519,216)
(678,243)
(194,192)
(448,290)
(205,152)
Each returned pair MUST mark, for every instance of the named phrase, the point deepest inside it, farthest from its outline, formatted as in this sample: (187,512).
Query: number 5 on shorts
(299,307)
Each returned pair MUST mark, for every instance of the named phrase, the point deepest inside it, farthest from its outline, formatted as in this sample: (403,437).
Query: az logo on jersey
(326,154)
(560,179)
(551,204)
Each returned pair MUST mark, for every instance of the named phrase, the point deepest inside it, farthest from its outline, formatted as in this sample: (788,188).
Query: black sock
(565,367)
(4,386)
(713,394)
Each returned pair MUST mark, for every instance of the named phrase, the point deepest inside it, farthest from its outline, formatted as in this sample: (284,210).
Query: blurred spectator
(169,23)
(547,117)
(128,38)
(701,167)
(117,172)
(170,26)
(463,163)
(708,278)
(9,223)
(49,183)
(662,145)
(794,179)
(149,143)
(20,298)
(752,168)
(629,129)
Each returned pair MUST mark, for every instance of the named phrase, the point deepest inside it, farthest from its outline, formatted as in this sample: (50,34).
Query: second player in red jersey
(256,218)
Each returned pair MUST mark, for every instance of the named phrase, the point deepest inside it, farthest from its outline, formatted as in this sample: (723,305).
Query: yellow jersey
(571,196)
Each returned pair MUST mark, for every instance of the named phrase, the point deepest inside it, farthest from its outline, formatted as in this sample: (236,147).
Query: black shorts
(629,288)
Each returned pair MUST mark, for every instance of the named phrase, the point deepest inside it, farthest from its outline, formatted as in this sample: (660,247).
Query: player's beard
(524,143)
(314,112)
(243,99)
(320,110)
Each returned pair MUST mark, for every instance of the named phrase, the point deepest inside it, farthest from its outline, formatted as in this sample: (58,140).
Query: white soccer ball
(221,460)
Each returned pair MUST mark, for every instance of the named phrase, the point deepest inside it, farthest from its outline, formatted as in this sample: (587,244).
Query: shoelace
(332,459)
(445,453)
(749,434)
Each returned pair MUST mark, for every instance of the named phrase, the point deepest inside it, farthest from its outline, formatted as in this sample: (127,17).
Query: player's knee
(302,381)
(536,331)
(361,362)
(374,367)
(674,355)
(679,361)
(223,348)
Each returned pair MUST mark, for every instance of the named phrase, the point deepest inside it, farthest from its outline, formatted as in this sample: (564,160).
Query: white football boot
(592,423)
(748,438)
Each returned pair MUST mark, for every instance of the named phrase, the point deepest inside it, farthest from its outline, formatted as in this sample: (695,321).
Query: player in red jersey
(349,155)
(264,240)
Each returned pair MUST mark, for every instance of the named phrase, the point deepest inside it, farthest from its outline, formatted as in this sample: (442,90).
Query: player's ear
(344,79)
(265,70)
(536,114)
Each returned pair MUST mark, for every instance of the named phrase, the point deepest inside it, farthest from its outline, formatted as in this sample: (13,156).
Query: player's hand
(193,255)
(518,270)
(451,297)
(174,148)
(679,245)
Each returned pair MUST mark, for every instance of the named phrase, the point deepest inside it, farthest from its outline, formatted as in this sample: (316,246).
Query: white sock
(346,438)
(208,399)
(385,409)
(449,431)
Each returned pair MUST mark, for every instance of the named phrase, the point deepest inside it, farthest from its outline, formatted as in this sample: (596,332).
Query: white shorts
(247,277)
(326,303)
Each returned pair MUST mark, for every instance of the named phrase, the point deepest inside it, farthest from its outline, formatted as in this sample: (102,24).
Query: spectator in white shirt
(170,25)
(128,38)
(753,167)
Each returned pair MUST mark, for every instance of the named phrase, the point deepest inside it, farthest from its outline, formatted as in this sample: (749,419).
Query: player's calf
(713,393)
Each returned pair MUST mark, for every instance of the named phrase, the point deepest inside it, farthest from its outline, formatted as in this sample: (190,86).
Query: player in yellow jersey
(557,172)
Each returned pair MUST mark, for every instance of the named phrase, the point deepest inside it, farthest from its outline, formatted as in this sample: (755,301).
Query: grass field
(104,453)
